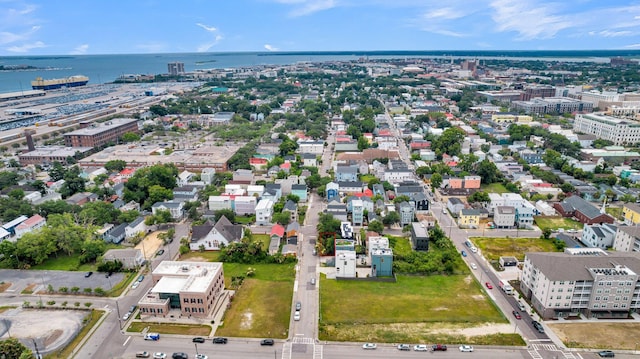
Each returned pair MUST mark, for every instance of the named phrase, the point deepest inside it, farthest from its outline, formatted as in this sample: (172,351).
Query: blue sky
(51,27)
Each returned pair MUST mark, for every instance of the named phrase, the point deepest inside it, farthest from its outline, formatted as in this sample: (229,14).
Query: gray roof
(349,184)
(506,210)
(564,266)
(299,187)
(199,232)
(633,231)
(579,204)
(633,206)
(290,206)
(347,169)
(136,221)
(470,212)
(454,200)
(232,232)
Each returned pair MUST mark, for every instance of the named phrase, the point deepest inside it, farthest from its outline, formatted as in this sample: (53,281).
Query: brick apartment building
(98,134)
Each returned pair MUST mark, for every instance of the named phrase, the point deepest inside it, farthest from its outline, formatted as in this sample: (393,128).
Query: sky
(67,27)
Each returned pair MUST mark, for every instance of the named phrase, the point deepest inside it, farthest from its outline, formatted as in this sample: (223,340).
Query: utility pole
(38,356)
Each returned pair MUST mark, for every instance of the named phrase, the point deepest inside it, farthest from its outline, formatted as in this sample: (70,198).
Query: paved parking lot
(21,279)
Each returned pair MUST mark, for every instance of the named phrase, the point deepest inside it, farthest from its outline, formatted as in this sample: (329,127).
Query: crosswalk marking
(534,354)
(302,340)
(317,351)
(548,347)
(286,350)
(568,355)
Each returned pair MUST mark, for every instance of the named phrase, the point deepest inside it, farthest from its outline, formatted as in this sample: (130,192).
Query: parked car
(133,308)
(219,340)
(298,305)
(88,274)
(420,348)
(159,355)
(474,266)
(266,342)
(404,347)
(439,347)
(474,249)
(135,285)
(296,316)
(160,252)
(521,306)
(140,278)
(606,354)
(464,254)
(488,285)
(313,281)
(466,348)
(198,340)
(126,316)
(152,336)
(538,326)
(180,355)
(201,356)
(108,274)
(516,314)
(369,346)
(142,355)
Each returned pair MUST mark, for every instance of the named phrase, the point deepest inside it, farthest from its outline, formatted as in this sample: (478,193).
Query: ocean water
(107,68)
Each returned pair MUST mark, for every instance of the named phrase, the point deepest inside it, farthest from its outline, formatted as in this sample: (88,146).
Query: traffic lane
(235,348)
(338,351)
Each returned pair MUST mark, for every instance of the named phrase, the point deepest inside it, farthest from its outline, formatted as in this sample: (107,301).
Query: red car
(439,347)
(489,286)
(517,314)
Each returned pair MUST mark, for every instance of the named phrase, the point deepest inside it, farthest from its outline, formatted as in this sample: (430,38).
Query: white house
(599,235)
(135,227)
(345,264)
(504,217)
(213,237)
(184,177)
(311,147)
(207,175)
(264,211)
(253,190)
(175,208)
(33,223)
(245,205)
(217,203)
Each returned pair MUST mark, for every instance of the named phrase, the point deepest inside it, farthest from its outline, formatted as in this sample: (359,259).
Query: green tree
(8,179)
(488,171)
(391,218)
(130,137)
(231,216)
(99,213)
(436,180)
(115,165)
(567,187)
(283,218)
(376,226)
(12,349)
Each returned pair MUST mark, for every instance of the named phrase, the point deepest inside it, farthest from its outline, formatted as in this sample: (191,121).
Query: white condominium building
(619,131)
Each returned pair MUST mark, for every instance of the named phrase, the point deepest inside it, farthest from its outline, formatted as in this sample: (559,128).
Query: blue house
(382,262)
(299,190)
(332,191)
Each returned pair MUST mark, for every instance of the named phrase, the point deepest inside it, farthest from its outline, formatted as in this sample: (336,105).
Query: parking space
(21,279)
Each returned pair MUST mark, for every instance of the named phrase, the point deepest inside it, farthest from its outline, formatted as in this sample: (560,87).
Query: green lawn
(555,222)
(367,178)
(494,248)
(494,188)
(261,307)
(244,219)
(401,246)
(616,212)
(64,262)
(414,309)
(264,238)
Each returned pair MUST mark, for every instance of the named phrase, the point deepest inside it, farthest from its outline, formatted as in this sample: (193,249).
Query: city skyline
(73,27)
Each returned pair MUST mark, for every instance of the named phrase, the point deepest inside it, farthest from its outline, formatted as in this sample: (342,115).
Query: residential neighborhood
(391,179)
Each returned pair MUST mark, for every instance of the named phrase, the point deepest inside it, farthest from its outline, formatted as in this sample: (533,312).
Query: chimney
(28,134)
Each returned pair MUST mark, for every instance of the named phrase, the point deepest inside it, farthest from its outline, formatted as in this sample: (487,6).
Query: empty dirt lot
(589,335)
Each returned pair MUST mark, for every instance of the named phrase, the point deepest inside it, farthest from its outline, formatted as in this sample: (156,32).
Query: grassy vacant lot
(581,335)
(616,212)
(209,256)
(401,245)
(494,188)
(64,262)
(415,309)
(165,328)
(555,222)
(494,248)
(264,238)
(261,305)
(91,320)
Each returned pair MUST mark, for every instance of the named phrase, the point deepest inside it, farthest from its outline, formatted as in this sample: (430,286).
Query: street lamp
(196,344)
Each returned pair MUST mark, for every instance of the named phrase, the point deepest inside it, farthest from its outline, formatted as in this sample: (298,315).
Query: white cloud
(444,13)
(633,46)
(26,47)
(206,27)
(80,50)
(529,20)
(308,7)
(270,48)
(207,46)
(608,33)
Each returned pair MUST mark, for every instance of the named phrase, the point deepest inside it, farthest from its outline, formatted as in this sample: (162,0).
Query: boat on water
(73,81)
